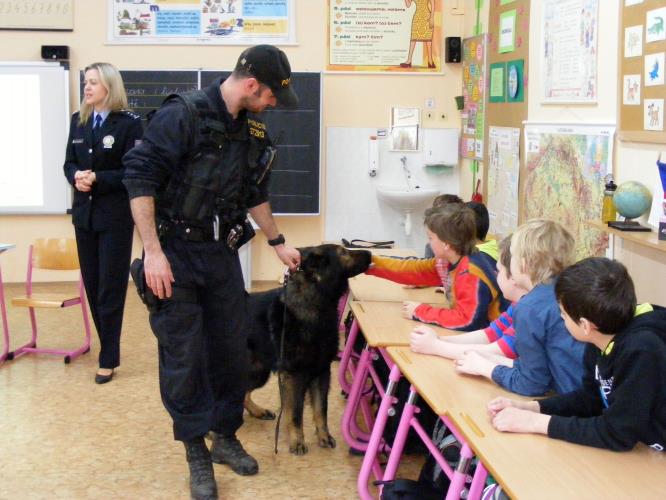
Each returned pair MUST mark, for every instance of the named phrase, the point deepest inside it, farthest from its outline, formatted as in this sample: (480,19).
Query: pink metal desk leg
(370,464)
(478,482)
(342,304)
(355,394)
(400,436)
(5,325)
(346,356)
(460,474)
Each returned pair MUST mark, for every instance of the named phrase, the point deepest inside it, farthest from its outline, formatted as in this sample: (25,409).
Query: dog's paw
(266,415)
(327,441)
(298,449)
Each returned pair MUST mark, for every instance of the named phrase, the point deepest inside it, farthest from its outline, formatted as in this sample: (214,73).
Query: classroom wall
(349,101)
(633,161)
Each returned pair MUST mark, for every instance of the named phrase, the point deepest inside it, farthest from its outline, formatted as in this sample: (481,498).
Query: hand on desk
(508,415)
(424,340)
(474,363)
(408,308)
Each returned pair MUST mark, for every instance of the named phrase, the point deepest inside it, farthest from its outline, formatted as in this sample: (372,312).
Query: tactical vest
(223,171)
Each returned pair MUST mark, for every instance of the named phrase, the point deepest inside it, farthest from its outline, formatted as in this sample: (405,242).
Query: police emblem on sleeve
(108,141)
(257,128)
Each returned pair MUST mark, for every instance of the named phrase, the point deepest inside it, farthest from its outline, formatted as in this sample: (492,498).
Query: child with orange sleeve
(497,339)
(475,297)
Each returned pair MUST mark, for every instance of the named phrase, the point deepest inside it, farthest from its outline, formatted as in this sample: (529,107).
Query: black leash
(279,373)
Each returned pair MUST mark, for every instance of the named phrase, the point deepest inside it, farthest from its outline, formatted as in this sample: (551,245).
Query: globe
(632,199)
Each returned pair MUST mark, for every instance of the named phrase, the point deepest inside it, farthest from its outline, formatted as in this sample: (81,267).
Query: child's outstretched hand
(473,363)
(408,308)
(423,339)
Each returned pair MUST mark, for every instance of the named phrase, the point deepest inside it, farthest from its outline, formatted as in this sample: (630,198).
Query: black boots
(228,450)
(202,480)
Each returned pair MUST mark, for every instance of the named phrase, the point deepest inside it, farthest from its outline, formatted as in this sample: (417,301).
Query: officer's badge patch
(108,141)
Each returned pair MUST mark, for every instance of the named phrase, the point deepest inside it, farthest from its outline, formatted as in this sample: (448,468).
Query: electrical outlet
(430,103)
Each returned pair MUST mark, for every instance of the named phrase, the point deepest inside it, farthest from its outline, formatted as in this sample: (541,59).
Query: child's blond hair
(544,248)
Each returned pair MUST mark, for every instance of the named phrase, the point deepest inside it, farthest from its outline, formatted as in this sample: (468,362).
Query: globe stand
(628,225)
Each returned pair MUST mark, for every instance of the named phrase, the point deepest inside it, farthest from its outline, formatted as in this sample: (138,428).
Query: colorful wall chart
(569,50)
(385,36)
(565,170)
(474,95)
(241,22)
(503,177)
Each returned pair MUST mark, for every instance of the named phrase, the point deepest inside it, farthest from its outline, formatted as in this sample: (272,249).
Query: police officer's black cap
(270,66)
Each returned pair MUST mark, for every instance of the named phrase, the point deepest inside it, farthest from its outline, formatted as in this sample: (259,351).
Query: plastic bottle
(608,212)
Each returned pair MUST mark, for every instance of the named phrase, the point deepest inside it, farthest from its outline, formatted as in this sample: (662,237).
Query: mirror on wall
(405,124)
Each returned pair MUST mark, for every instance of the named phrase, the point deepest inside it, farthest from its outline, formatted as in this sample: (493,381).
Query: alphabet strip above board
(295,176)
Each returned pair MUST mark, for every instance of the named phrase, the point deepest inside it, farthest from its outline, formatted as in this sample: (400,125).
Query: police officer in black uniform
(99,135)
(203,164)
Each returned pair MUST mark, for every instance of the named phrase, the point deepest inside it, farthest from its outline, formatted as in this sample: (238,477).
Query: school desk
(526,465)
(382,325)
(3,311)
(370,288)
(373,288)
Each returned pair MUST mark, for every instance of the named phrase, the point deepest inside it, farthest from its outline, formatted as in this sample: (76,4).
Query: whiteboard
(34,98)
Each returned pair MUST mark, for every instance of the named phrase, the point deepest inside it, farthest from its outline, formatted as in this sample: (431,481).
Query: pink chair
(52,254)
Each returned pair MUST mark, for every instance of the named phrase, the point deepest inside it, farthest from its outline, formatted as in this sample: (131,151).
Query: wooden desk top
(383,325)
(371,288)
(529,466)
(646,239)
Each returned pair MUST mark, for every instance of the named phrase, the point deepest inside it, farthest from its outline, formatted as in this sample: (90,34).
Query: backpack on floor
(407,489)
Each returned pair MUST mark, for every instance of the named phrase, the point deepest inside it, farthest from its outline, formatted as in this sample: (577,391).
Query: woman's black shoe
(103,379)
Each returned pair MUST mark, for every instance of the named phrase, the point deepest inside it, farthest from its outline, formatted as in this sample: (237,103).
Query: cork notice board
(507,108)
(641,84)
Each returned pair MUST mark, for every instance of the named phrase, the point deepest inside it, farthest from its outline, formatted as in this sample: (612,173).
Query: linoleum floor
(63,436)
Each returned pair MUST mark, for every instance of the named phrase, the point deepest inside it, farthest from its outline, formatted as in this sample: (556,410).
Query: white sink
(407,201)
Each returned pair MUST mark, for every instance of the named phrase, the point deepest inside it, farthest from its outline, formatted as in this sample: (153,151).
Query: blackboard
(295,175)
(147,89)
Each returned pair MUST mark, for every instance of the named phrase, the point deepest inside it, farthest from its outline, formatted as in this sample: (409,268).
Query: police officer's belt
(189,232)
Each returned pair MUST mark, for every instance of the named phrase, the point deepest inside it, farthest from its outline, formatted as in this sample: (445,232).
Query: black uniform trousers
(203,355)
(104,257)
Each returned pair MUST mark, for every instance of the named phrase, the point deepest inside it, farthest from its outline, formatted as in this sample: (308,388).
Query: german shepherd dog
(303,315)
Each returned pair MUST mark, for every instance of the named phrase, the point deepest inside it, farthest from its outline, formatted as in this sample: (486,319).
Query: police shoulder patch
(131,114)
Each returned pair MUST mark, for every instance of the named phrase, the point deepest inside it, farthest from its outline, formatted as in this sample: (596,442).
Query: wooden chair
(52,254)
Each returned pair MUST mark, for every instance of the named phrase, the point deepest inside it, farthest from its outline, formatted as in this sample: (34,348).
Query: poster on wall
(566,166)
(402,36)
(569,50)
(474,96)
(47,15)
(201,22)
(503,177)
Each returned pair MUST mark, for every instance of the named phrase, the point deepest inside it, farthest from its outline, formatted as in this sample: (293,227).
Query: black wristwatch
(277,241)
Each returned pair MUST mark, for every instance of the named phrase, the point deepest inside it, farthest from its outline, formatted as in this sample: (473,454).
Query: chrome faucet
(407,172)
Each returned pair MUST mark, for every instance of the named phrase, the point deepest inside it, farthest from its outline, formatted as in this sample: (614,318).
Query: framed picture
(48,15)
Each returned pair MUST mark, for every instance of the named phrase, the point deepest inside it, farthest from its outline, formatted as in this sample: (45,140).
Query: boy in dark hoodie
(623,398)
